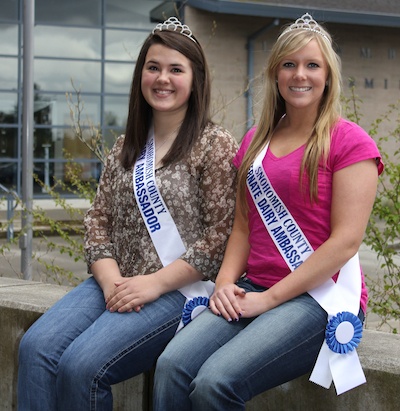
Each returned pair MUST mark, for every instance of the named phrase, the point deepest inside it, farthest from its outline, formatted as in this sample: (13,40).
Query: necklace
(160,159)
(163,143)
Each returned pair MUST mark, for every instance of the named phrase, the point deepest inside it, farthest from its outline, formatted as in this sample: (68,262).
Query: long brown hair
(140,112)
(318,144)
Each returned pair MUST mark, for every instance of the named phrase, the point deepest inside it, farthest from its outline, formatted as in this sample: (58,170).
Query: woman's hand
(253,304)
(130,294)
(225,301)
(232,302)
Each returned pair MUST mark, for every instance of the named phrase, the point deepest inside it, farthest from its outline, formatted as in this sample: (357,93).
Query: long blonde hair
(318,144)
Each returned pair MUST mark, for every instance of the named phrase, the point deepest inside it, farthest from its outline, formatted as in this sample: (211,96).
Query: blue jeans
(72,354)
(216,365)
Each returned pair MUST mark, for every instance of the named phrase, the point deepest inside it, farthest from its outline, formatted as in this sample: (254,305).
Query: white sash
(163,231)
(338,360)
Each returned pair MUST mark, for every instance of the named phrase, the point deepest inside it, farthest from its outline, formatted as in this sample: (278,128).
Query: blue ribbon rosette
(343,332)
(193,308)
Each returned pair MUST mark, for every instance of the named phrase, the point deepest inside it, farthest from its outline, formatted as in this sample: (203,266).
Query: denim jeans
(72,354)
(217,365)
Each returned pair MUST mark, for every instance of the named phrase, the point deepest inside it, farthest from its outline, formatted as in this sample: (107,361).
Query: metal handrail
(11,196)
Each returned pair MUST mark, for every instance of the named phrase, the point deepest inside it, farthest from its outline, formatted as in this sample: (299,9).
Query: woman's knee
(210,387)
(73,368)
(166,366)
(32,344)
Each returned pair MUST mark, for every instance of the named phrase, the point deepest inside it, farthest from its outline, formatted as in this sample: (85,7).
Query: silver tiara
(173,24)
(306,22)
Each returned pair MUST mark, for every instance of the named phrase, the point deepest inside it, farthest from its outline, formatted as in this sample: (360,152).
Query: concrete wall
(370,57)
(22,302)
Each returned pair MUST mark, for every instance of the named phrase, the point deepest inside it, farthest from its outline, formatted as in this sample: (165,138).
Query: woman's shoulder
(216,135)
(244,145)
(347,134)
(117,145)
(214,131)
(351,143)
(345,128)
(248,137)
(215,144)
(115,151)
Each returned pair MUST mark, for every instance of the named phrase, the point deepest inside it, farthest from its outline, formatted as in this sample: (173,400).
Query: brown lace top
(199,192)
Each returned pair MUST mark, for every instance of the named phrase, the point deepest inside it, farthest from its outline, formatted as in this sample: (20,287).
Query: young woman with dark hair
(155,237)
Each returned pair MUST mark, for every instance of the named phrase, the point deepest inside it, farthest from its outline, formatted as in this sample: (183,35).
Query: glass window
(110,136)
(115,111)
(9,10)
(130,13)
(123,44)
(60,144)
(8,73)
(73,12)
(8,108)
(8,142)
(8,156)
(55,109)
(9,39)
(8,173)
(86,172)
(74,146)
(57,75)
(118,77)
(51,41)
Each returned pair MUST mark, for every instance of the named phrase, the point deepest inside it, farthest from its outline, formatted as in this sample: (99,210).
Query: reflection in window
(9,39)
(54,109)
(117,109)
(124,45)
(8,73)
(8,108)
(49,173)
(9,10)
(8,173)
(118,77)
(68,56)
(73,146)
(111,135)
(8,157)
(57,75)
(8,142)
(60,143)
(58,152)
(52,41)
(71,12)
(132,13)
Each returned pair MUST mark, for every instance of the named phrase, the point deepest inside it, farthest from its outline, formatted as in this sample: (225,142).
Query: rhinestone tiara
(306,22)
(173,24)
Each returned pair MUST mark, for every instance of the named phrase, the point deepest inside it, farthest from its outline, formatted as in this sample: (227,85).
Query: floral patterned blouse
(199,192)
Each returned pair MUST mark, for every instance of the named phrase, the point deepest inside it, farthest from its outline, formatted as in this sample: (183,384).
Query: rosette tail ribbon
(338,359)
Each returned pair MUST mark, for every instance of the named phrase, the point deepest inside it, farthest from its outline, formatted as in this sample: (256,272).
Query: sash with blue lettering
(337,360)
(163,231)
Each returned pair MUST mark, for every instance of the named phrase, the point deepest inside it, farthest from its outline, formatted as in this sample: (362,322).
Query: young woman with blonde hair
(290,294)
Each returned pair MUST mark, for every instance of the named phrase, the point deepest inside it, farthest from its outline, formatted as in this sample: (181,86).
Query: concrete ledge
(379,355)
(22,302)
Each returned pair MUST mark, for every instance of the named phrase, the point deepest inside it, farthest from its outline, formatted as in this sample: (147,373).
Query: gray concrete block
(22,302)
